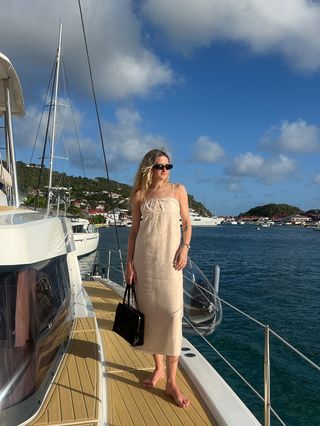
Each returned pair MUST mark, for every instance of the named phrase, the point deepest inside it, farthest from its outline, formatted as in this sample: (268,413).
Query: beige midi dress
(159,286)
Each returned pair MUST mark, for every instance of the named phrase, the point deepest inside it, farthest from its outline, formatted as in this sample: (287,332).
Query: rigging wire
(38,131)
(74,120)
(45,140)
(100,131)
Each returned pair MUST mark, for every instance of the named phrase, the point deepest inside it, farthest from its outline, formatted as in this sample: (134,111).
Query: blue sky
(230,88)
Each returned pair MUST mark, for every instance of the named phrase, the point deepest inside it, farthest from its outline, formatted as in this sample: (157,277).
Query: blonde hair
(143,177)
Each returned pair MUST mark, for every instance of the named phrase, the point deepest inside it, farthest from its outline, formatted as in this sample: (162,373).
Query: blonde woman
(157,253)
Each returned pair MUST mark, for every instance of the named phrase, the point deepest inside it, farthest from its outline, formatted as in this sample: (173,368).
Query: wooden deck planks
(129,403)
(73,399)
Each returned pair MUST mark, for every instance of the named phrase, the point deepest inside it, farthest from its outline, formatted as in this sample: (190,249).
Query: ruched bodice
(159,285)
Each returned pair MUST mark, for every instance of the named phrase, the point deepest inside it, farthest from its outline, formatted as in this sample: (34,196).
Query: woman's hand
(181,258)
(130,273)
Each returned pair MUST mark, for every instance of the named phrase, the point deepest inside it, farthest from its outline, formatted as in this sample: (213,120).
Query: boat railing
(107,270)
(268,410)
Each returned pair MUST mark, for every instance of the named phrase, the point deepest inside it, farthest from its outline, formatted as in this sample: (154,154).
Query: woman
(157,253)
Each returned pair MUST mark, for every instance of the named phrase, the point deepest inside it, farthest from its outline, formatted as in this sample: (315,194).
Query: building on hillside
(297,219)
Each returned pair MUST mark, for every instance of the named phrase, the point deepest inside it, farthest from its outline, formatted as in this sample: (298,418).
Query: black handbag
(129,322)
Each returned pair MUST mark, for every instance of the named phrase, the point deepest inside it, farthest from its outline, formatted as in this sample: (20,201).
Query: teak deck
(74,400)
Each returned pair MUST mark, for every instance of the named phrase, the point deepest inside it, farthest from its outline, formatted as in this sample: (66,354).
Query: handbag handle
(129,293)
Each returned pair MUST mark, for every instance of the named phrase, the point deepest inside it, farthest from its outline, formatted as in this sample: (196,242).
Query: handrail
(267,331)
(316,366)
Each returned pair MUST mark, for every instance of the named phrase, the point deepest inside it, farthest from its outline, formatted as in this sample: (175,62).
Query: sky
(231,89)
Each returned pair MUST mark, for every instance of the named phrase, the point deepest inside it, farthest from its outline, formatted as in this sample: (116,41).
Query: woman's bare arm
(181,257)
(136,217)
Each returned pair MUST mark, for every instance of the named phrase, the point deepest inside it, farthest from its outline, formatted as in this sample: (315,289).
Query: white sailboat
(40,282)
(86,237)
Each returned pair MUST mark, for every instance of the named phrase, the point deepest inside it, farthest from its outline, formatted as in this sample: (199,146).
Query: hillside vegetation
(90,192)
(271,210)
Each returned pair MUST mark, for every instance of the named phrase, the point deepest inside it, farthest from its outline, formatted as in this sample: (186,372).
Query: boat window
(31,298)
(77,229)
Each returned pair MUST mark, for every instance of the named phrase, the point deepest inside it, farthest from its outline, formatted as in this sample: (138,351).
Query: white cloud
(127,143)
(246,164)
(288,27)
(255,166)
(25,128)
(207,151)
(232,186)
(122,66)
(296,137)
(316,179)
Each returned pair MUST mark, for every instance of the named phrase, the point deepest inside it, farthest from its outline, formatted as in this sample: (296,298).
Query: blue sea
(273,275)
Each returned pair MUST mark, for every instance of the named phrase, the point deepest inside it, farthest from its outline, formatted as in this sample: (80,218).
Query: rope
(99,125)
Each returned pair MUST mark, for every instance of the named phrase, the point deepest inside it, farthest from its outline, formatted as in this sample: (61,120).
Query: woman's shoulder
(137,197)
(179,187)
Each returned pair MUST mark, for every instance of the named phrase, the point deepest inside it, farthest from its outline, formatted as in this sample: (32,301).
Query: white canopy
(8,72)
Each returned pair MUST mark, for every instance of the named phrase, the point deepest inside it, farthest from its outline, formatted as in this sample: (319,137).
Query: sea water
(273,275)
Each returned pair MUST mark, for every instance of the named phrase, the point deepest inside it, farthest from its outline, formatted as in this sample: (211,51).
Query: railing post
(267,376)
(109,264)
(122,268)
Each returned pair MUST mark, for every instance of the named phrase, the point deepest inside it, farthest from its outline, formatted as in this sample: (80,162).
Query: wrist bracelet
(188,245)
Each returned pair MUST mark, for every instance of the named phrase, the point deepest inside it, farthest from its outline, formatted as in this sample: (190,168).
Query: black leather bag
(129,322)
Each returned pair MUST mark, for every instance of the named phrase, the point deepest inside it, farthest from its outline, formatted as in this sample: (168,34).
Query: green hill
(271,210)
(90,192)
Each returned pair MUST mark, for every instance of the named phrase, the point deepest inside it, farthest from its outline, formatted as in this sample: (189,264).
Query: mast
(53,132)
(11,160)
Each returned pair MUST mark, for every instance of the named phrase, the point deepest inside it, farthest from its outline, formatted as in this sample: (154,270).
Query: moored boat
(198,220)
(86,237)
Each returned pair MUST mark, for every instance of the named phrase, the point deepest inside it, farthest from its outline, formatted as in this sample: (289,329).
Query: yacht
(85,235)
(40,283)
(198,220)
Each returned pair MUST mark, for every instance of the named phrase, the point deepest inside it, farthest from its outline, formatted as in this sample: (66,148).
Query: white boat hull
(86,242)
(206,221)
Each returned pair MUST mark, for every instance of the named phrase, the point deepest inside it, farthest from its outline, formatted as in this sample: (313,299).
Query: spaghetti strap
(173,188)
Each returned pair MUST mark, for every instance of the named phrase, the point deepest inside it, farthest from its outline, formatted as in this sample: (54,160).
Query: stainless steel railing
(267,331)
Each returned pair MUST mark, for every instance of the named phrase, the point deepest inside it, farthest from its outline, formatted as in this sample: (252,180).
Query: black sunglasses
(163,166)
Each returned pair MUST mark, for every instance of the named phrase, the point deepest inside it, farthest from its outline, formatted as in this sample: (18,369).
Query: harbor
(149,99)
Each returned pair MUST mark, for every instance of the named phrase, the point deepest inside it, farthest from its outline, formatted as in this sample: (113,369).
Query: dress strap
(173,188)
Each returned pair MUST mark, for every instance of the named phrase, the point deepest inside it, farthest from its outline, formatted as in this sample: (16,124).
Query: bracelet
(188,245)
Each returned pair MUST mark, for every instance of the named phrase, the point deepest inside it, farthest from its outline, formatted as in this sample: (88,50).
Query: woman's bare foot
(178,397)
(151,381)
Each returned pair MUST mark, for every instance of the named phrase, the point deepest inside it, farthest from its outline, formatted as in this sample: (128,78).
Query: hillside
(87,192)
(272,210)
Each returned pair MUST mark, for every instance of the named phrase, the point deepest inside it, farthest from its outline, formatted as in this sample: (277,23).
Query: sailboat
(86,236)
(40,282)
